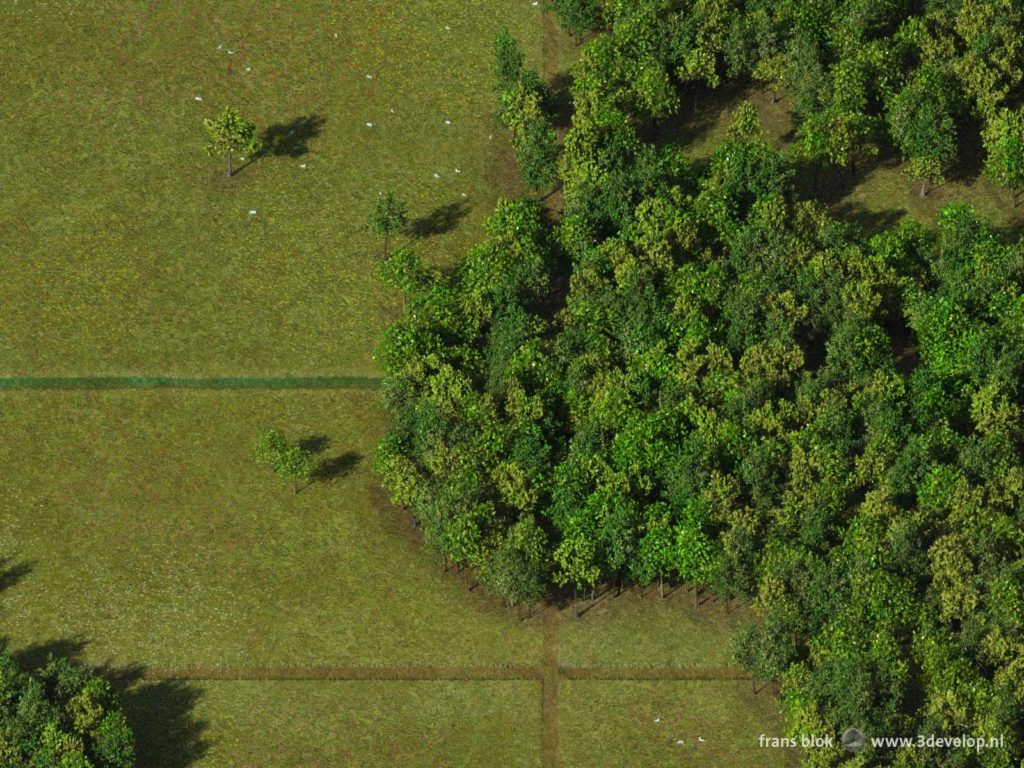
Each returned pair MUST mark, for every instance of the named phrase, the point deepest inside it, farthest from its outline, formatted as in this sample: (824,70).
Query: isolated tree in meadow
(61,716)
(229,133)
(290,460)
(388,218)
(1004,143)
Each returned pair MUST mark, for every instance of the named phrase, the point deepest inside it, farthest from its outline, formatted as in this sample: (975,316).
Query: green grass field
(126,250)
(138,535)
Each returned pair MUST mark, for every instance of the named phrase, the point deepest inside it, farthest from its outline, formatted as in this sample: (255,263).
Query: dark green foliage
(740,392)
(60,716)
(577,17)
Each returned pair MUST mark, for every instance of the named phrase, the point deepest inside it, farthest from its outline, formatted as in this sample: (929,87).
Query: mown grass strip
(176,382)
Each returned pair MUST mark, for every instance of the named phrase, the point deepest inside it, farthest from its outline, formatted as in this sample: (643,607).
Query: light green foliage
(291,461)
(230,133)
(1004,147)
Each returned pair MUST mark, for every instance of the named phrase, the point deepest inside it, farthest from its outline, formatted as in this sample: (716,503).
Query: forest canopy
(695,374)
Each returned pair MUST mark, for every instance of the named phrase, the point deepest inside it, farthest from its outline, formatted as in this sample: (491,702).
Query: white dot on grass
(220,46)
(231,52)
(248,69)
(369,125)
(447,27)
(199,98)
(369,77)
(447,122)
(465,195)
(458,170)
(437,175)
(680,742)
(252,211)
(302,166)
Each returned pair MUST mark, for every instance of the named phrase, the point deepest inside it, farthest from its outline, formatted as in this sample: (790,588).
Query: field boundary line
(682,674)
(465,674)
(548,673)
(183,382)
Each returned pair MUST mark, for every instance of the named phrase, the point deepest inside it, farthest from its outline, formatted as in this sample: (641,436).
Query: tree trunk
(775,96)
(924,187)
(661,586)
(229,164)
(575,602)
(696,592)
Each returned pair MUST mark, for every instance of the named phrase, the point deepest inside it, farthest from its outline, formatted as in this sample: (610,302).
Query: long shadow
(442,219)
(869,222)
(337,467)
(11,574)
(315,443)
(560,100)
(34,656)
(291,139)
(160,713)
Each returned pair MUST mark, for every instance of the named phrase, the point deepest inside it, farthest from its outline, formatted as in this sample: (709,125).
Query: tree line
(700,376)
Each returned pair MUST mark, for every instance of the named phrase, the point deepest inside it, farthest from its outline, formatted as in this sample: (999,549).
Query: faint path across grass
(174,382)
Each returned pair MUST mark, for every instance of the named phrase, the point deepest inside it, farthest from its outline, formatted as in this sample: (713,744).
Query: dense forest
(694,373)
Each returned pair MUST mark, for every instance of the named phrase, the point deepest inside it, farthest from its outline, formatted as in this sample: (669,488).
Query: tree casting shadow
(291,139)
(12,574)
(442,219)
(160,713)
(337,467)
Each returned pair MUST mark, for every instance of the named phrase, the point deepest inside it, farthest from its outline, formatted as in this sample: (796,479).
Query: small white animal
(199,98)
(392,110)
(447,27)
(369,125)
(437,175)
(369,77)
(302,166)
(248,69)
(252,211)
(465,195)
(657,719)
(680,742)
(447,122)
(220,46)
(701,738)
(231,52)
(457,170)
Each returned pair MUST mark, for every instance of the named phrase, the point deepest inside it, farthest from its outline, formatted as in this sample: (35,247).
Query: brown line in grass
(548,674)
(550,681)
(345,673)
(656,673)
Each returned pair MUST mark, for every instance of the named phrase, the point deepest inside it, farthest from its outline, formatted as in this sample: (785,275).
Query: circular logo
(852,740)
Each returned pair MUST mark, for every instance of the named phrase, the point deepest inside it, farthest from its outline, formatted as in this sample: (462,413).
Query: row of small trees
(524,108)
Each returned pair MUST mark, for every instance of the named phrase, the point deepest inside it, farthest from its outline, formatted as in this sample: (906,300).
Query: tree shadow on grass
(337,467)
(160,713)
(442,219)
(560,100)
(12,573)
(291,139)
(315,443)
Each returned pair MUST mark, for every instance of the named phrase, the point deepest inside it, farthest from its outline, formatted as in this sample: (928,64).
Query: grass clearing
(151,537)
(125,250)
(351,724)
(648,631)
(612,725)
